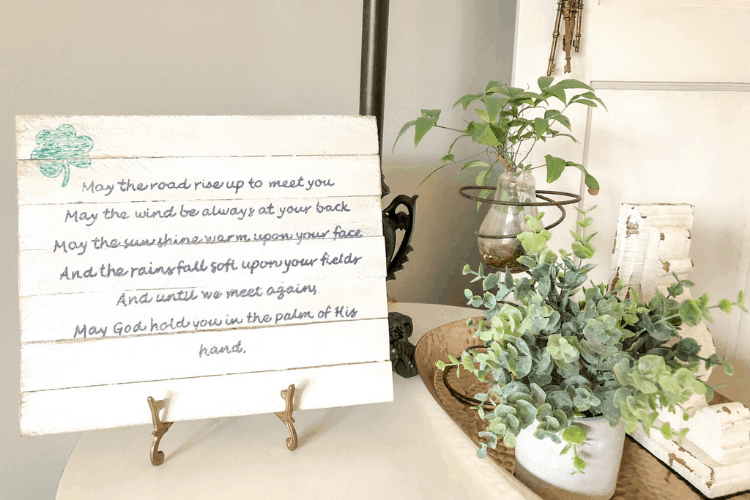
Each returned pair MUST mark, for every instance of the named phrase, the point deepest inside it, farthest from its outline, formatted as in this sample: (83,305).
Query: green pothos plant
(509,122)
(554,357)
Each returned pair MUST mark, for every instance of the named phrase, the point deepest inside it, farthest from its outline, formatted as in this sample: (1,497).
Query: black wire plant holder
(463,398)
(569,199)
(548,202)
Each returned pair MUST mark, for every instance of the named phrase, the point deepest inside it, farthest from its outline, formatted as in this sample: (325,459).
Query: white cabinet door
(676,80)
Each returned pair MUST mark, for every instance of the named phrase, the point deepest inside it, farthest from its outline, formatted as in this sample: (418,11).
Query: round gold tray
(641,474)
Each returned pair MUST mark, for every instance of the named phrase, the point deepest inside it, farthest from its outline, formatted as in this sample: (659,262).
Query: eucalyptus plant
(510,122)
(553,358)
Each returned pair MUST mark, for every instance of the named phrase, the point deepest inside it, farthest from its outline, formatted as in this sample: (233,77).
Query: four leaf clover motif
(63,147)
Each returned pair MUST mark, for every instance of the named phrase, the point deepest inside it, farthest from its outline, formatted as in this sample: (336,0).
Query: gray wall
(242,57)
(438,52)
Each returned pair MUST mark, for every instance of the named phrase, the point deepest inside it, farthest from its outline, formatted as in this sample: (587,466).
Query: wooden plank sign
(206,261)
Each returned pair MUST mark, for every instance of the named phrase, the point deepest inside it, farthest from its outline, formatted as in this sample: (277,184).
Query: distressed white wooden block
(651,243)
(710,477)
(208,261)
(722,431)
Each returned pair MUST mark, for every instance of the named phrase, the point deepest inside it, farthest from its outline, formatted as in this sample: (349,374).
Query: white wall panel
(691,150)
(674,78)
(673,43)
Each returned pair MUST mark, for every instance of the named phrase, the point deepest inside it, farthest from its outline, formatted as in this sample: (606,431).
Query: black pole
(372,103)
(372,72)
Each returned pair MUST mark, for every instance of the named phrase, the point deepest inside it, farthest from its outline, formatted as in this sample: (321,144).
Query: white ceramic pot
(540,466)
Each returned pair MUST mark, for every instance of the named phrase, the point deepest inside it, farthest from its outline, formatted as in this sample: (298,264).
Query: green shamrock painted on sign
(65,148)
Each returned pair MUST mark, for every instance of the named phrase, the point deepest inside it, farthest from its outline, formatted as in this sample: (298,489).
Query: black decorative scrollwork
(393,221)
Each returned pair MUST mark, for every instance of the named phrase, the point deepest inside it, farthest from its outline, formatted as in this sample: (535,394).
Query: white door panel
(680,3)
(690,150)
(671,43)
(676,79)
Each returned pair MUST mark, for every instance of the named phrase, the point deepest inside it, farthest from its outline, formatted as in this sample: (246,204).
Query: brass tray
(646,476)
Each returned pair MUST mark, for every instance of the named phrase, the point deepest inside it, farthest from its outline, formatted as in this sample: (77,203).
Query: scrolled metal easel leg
(286,417)
(160,428)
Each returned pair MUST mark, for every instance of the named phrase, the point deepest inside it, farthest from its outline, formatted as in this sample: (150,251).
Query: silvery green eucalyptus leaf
(542,270)
(574,307)
(541,379)
(544,410)
(544,286)
(574,434)
(588,355)
(663,331)
(527,261)
(561,417)
(523,288)
(568,329)
(503,292)
(553,324)
(491,281)
(601,350)
(589,310)
(538,395)
(567,369)
(488,300)
(491,313)
(509,282)
(560,400)
(526,412)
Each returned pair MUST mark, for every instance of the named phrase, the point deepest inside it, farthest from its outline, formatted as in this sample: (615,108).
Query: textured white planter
(540,466)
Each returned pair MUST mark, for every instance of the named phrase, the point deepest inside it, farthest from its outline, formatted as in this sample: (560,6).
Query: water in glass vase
(507,220)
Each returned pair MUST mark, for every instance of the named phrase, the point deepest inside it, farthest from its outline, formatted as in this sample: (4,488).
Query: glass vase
(507,220)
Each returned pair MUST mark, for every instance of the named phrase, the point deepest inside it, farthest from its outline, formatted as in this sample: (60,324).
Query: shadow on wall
(444,239)
(431,71)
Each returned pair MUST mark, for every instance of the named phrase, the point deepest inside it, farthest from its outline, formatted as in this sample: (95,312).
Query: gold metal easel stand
(286,417)
(161,428)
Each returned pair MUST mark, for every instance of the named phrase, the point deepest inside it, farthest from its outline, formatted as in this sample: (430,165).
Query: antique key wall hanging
(571,12)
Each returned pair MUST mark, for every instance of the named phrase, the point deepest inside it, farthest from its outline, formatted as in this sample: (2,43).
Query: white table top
(405,449)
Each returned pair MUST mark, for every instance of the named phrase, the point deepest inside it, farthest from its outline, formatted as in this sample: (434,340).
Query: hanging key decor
(570,12)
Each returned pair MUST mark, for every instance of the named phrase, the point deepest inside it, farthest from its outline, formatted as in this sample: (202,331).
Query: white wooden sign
(206,261)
